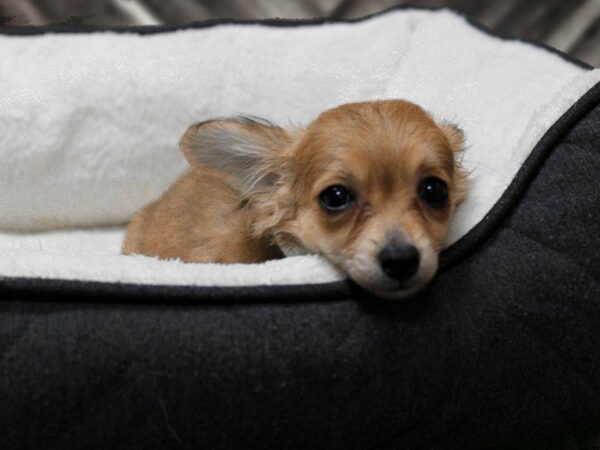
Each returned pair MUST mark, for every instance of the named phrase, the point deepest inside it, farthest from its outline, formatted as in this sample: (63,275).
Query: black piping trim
(94,291)
(155,29)
(106,292)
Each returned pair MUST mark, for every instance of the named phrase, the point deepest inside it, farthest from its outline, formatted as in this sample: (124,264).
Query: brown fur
(266,186)
(199,219)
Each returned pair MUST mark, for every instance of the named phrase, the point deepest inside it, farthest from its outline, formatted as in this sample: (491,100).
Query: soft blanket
(90,123)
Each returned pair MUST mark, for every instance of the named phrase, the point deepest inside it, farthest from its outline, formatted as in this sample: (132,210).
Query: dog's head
(369,186)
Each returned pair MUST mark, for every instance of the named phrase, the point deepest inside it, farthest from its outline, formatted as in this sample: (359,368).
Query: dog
(369,186)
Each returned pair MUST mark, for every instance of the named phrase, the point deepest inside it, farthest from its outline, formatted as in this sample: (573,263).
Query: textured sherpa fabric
(502,348)
(90,123)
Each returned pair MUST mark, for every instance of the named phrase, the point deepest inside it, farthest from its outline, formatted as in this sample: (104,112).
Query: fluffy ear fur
(250,149)
(456,139)
(455,136)
(256,154)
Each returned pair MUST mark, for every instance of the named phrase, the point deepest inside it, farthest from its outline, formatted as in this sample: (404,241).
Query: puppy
(369,186)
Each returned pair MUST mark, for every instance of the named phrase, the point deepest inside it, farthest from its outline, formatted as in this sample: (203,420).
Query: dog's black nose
(399,261)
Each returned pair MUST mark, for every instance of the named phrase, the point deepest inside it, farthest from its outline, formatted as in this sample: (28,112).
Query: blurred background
(572,26)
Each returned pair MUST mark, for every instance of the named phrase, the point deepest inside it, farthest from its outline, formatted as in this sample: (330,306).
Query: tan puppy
(369,186)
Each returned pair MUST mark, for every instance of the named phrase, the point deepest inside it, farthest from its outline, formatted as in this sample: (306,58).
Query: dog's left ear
(454,135)
(250,149)
(456,139)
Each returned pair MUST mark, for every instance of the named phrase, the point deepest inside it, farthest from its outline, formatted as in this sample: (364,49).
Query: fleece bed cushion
(101,350)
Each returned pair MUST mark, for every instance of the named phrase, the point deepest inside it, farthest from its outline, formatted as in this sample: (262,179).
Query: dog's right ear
(252,150)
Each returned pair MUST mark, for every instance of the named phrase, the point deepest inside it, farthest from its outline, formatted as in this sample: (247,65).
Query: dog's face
(370,186)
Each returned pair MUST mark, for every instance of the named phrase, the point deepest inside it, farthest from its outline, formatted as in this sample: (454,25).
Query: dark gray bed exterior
(502,347)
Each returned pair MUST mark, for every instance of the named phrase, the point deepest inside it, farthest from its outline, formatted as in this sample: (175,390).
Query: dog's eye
(434,192)
(335,198)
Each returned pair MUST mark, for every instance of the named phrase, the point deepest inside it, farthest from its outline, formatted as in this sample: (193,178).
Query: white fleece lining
(90,123)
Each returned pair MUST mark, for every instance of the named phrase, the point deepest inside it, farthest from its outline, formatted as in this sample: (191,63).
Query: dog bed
(102,350)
